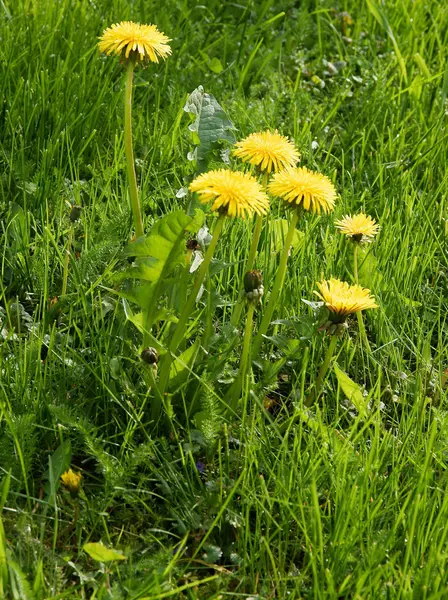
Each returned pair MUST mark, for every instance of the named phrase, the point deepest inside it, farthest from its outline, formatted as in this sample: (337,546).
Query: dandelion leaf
(158,254)
(210,125)
(352,391)
(99,552)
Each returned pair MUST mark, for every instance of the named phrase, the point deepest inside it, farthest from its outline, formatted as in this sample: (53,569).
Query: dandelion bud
(150,356)
(252,281)
(193,244)
(71,481)
(253,286)
(75,213)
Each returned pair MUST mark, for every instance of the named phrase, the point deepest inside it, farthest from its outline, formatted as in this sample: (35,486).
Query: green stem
(278,283)
(132,179)
(252,255)
(245,359)
(314,396)
(362,329)
(355,263)
(180,328)
(179,332)
(68,251)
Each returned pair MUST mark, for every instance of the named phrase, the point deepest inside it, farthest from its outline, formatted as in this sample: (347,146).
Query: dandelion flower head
(360,228)
(71,481)
(134,40)
(268,151)
(301,187)
(233,193)
(343,299)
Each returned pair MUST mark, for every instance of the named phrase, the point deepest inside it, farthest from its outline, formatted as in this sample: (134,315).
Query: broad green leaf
(352,391)
(215,65)
(158,254)
(368,273)
(163,248)
(210,126)
(99,552)
(181,366)
(58,462)
(138,319)
(61,457)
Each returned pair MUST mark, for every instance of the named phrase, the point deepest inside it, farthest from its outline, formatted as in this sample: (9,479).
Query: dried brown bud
(150,356)
(252,281)
(193,245)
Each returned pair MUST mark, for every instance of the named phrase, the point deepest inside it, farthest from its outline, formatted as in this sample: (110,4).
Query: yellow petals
(72,481)
(233,193)
(301,187)
(135,40)
(343,299)
(268,151)
(361,228)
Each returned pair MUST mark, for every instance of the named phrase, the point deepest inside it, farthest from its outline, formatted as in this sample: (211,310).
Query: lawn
(172,427)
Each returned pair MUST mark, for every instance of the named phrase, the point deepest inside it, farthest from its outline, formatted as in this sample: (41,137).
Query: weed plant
(240,458)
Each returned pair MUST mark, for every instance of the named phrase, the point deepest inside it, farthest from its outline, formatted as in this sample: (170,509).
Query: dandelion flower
(343,299)
(136,41)
(72,481)
(268,151)
(360,228)
(232,193)
(301,187)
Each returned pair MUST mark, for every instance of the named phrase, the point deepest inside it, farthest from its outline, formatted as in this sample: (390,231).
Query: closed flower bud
(253,286)
(150,356)
(193,245)
(75,213)
(252,281)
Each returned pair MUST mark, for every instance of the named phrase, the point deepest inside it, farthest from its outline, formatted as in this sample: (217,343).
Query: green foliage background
(336,506)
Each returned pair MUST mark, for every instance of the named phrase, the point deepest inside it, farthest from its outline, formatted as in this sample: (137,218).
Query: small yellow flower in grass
(72,481)
(231,193)
(301,187)
(268,151)
(343,299)
(136,41)
(360,228)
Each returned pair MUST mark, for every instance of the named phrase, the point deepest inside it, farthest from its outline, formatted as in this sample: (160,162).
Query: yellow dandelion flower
(343,299)
(360,228)
(72,481)
(268,151)
(135,40)
(232,193)
(301,187)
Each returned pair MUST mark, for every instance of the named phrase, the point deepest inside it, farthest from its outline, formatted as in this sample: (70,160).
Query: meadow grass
(271,500)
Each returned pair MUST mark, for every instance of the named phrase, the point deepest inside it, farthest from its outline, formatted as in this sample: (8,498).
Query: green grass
(324,503)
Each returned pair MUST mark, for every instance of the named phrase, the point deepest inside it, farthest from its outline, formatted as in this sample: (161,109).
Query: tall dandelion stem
(362,329)
(252,254)
(314,396)
(133,190)
(183,319)
(278,283)
(245,358)
(355,263)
